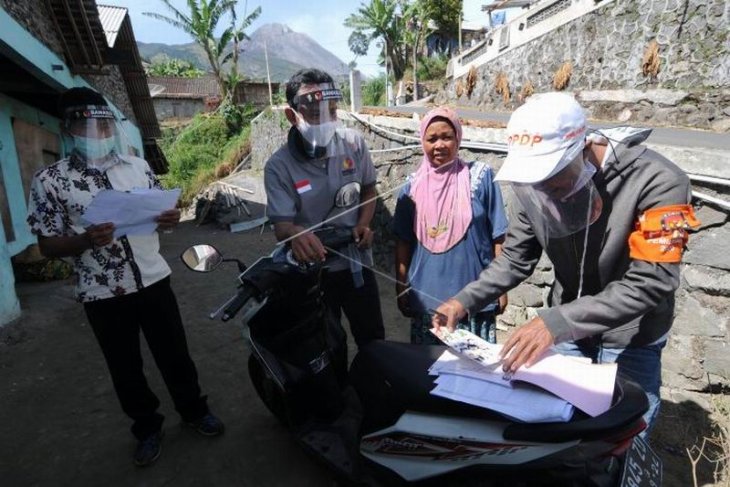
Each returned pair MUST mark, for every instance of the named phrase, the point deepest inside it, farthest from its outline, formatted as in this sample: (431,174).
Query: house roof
(82,36)
(111,18)
(122,51)
(176,87)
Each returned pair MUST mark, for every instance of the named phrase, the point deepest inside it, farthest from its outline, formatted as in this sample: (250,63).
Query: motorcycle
(376,422)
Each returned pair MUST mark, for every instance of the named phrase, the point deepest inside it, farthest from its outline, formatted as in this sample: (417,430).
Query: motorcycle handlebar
(244,294)
(335,237)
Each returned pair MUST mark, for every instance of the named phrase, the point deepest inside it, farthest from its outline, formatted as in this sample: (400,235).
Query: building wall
(256,94)
(35,17)
(606,48)
(166,108)
(112,86)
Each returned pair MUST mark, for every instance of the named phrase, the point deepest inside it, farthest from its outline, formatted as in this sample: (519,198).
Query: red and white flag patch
(303,186)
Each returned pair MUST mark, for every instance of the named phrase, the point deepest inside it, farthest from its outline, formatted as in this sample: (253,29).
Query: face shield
(565,203)
(97,138)
(316,112)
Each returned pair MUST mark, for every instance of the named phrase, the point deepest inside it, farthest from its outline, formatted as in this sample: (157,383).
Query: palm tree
(418,15)
(379,19)
(238,34)
(201,23)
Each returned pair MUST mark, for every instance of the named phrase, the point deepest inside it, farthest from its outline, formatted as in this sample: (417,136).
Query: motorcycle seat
(402,368)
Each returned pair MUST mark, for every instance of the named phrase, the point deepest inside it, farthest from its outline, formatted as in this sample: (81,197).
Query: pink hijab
(442,194)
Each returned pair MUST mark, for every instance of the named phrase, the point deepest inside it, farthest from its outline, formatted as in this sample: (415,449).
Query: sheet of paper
(132,212)
(587,386)
(522,402)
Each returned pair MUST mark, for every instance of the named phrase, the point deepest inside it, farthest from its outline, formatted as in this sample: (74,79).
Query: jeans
(643,365)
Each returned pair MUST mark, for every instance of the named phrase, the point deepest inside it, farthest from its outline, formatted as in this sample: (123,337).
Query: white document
(585,385)
(521,401)
(132,212)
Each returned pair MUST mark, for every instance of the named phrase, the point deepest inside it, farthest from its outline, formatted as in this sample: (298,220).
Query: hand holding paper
(167,220)
(134,212)
(101,234)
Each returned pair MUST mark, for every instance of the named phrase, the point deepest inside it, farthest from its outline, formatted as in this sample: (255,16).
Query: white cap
(544,135)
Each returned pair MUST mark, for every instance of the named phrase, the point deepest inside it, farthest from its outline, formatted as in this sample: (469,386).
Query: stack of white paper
(459,379)
(473,374)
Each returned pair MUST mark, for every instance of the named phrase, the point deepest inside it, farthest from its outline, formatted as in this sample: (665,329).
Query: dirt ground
(61,423)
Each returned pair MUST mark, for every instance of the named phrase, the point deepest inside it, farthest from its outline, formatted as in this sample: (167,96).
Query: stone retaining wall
(606,49)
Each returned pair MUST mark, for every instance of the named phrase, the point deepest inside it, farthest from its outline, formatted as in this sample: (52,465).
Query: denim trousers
(643,365)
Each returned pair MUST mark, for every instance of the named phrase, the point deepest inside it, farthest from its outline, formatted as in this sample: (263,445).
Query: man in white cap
(612,217)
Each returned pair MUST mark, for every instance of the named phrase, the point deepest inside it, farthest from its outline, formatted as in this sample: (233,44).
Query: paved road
(680,137)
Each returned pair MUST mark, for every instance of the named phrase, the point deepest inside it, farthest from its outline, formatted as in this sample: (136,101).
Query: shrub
(501,86)
(432,68)
(196,152)
(373,92)
(650,62)
(526,91)
(562,76)
(471,81)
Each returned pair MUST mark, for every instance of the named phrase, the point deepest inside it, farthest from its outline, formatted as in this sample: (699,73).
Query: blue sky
(322,20)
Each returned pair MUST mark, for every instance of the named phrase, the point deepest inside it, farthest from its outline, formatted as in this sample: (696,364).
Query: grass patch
(205,150)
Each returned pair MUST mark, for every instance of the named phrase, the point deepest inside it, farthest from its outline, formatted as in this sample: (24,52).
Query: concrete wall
(166,108)
(605,48)
(698,343)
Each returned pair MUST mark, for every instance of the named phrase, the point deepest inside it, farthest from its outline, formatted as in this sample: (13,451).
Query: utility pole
(268,75)
(387,85)
(461,14)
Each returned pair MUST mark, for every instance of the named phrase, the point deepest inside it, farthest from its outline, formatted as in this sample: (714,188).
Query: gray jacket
(625,302)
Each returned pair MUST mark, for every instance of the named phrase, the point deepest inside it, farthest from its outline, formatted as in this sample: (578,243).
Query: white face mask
(317,135)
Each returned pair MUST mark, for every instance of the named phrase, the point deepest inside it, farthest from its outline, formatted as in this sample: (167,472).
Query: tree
(445,14)
(201,24)
(178,68)
(238,34)
(358,43)
(417,17)
(379,19)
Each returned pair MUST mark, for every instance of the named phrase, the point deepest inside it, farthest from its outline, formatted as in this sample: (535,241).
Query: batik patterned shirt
(59,196)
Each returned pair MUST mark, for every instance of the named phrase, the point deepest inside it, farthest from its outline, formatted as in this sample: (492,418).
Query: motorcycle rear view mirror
(206,258)
(201,258)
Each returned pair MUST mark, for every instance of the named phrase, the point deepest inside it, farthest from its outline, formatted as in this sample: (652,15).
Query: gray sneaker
(148,449)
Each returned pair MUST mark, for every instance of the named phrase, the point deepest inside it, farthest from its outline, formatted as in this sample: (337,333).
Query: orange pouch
(661,234)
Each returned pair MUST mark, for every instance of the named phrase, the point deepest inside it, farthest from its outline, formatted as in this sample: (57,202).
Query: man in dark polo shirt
(324,175)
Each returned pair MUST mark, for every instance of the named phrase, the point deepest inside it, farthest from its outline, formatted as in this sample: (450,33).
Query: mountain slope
(288,52)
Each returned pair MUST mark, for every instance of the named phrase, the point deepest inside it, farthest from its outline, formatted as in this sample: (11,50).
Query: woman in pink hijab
(449,224)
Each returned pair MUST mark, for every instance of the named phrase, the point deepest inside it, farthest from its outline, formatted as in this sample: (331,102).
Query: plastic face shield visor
(317,117)
(318,104)
(565,203)
(94,130)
